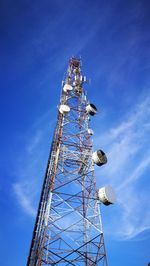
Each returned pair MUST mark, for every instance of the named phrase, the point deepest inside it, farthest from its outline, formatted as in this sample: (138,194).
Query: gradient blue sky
(113,39)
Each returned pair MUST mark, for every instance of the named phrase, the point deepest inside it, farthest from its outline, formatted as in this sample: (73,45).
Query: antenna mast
(68,228)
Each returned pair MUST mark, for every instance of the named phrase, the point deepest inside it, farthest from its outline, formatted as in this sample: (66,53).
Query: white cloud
(29,166)
(128,151)
(137,172)
(24,197)
(35,141)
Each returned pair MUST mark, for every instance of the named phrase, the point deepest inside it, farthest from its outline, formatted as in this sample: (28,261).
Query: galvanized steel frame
(68,228)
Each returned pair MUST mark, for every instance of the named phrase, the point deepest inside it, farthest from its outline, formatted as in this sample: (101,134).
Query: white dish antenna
(99,157)
(67,87)
(90,131)
(106,195)
(91,109)
(64,109)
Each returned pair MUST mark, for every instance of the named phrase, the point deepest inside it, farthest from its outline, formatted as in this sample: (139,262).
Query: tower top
(75,62)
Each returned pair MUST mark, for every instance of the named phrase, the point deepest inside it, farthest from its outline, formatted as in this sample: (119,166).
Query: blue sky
(113,40)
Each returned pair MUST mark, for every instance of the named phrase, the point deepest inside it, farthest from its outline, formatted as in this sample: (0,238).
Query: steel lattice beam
(68,229)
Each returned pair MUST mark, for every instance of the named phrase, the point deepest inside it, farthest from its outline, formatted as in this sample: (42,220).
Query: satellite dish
(90,131)
(106,195)
(64,109)
(91,109)
(67,87)
(99,157)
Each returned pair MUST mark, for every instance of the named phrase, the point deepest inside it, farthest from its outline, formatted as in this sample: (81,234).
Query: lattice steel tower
(68,228)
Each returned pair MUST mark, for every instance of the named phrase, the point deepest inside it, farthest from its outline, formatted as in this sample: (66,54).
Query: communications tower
(68,228)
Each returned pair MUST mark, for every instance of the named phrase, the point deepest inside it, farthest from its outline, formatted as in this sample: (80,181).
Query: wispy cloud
(35,141)
(24,197)
(128,149)
(30,164)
